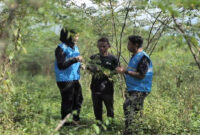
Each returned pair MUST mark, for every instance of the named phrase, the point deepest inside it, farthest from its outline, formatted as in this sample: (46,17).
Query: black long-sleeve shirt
(61,59)
(100,81)
(143,65)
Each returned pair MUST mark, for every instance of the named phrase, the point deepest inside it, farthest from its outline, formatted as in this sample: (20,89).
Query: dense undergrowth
(30,103)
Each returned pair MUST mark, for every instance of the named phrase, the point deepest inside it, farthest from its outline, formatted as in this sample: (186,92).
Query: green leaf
(96,128)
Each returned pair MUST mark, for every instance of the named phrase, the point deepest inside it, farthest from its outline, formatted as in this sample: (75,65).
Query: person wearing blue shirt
(67,72)
(138,76)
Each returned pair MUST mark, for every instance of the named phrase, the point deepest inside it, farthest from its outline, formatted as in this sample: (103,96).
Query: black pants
(72,98)
(98,98)
(132,106)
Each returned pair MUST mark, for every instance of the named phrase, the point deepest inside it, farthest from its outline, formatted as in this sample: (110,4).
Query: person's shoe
(76,118)
(68,124)
(128,132)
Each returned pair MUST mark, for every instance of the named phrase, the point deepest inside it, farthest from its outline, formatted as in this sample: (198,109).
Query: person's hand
(120,69)
(79,58)
(83,66)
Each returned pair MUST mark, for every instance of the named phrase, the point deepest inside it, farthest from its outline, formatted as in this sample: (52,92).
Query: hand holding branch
(79,58)
(120,70)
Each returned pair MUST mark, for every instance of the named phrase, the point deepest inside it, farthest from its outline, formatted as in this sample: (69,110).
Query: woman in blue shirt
(67,71)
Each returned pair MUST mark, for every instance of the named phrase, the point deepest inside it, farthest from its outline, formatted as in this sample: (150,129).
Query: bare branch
(123,27)
(188,41)
(121,56)
(160,21)
(62,122)
(113,24)
(148,40)
(157,40)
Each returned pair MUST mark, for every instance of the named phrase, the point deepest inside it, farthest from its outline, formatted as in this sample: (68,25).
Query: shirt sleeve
(91,66)
(143,65)
(61,61)
(115,62)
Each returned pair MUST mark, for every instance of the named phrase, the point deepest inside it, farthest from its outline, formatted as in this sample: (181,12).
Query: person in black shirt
(102,65)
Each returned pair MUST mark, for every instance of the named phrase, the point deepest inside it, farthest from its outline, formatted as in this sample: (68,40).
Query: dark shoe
(128,132)
(68,124)
(76,118)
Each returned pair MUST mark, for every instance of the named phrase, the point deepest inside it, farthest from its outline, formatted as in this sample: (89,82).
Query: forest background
(29,34)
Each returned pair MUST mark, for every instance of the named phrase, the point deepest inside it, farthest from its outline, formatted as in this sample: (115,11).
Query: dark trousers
(98,98)
(71,94)
(132,106)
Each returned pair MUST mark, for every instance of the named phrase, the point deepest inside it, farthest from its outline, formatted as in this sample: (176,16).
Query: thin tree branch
(160,21)
(121,34)
(157,41)
(121,56)
(148,40)
(62,122)
(156,33)
(114,26)
(188,41)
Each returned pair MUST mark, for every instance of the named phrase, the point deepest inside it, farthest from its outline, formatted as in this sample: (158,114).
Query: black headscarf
(66,38)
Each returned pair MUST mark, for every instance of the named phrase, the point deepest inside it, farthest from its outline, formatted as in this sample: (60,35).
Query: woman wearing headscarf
(67,71)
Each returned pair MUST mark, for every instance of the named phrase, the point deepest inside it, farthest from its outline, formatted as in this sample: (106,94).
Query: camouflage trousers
(133,106)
